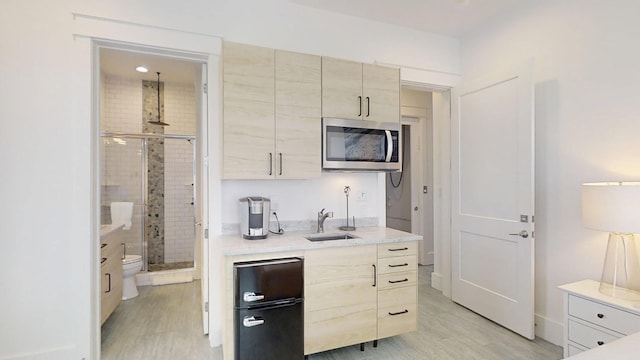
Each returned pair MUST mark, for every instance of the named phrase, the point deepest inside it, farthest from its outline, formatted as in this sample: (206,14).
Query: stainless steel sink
(325,237)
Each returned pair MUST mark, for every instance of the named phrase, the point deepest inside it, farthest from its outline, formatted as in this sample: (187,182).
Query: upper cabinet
(298,116)
(352,90)
(248,111)
(272,113)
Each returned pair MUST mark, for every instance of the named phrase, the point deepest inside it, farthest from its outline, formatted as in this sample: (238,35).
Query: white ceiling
(452,18)
(124,63)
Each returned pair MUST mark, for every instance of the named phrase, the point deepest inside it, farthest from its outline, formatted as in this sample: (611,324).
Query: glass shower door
(122,179)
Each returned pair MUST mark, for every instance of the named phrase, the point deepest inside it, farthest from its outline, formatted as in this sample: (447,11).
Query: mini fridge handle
(250,321)
(251,296)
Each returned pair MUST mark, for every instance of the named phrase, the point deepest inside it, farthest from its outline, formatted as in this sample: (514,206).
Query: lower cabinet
(397,288)
(359,294)
(111,274)
(340,297)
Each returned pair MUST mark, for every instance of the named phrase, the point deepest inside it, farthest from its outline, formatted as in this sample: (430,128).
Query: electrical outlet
(275,206)
(362,196)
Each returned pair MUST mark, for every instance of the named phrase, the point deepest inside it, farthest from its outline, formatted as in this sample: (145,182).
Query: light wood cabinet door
(297,115)
(341,89)
(340,297)
(249,112)
(381,93)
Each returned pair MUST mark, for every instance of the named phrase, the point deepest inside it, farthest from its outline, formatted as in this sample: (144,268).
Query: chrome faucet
(322,216)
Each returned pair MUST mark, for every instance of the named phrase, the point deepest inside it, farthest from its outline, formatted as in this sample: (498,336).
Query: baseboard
(62,353)
(436,281)
(549,330)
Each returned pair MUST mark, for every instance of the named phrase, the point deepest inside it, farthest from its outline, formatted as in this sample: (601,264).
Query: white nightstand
(592,319)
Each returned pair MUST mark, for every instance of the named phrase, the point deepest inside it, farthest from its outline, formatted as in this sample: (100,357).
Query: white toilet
(131,265)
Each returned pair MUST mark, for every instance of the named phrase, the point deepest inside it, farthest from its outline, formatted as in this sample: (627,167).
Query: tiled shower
(155,172)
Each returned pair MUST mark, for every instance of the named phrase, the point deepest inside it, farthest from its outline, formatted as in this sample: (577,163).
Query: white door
(202,196)
(493,198)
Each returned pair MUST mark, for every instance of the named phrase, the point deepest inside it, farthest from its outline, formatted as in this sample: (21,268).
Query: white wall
(45,163)
(587,121)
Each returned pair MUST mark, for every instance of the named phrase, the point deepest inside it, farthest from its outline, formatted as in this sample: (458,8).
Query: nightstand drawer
(588,336)
(602,315)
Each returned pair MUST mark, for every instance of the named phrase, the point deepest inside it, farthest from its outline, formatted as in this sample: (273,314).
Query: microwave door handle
(389,146)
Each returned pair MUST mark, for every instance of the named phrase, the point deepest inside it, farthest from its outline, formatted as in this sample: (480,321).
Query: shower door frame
(144,178)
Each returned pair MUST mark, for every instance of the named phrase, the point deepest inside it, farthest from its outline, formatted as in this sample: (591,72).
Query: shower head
(158,122)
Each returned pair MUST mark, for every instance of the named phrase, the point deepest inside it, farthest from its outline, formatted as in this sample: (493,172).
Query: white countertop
(626,348)
(294,241)
(108,229)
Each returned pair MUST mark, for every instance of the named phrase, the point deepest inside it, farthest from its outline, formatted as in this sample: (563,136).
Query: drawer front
(588,336)
(111,248)
(397,279)
(602,315)
(397,264)
(574,349)
(397,249)
(397,311)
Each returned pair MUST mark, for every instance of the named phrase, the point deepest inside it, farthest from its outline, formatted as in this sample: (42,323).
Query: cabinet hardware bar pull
(280,163)
(124,250)
(103,260)
(368,106)
(270,164)
(375,275)
(399,249)
(398,281)
(399,265)
(600,316)
(360,105)
(102,246)
(108,289)
(600,342)
(399,312)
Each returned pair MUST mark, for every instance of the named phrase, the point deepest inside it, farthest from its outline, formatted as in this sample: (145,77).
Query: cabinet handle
(102,246)
(270,163)
(600,342)
(368,106)
(399,312)
(124,250)
(103,260)
(398,281)
(399,249)
(109,288)
(360,105)
(280,163)
(399,265)
(375,275)
(600,316)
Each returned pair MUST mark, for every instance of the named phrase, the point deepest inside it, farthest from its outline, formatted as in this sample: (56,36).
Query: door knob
(522,233)
(415,208)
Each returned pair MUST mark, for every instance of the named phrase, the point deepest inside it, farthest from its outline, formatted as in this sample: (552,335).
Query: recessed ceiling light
(142,69)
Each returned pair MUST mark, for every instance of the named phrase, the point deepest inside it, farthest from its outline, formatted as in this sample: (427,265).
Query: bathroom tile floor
(164,322)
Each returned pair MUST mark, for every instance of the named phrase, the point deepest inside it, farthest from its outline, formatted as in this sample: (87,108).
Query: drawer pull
(398,281)
(600,342)
(399,249)
(375,275)
(600,316)
(103,260)
(399,312)
(399,265)
(102,246)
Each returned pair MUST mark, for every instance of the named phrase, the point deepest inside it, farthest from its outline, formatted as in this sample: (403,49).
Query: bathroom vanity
(110,269)
(355,289)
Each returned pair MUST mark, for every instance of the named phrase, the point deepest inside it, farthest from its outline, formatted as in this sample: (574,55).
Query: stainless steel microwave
(361,145)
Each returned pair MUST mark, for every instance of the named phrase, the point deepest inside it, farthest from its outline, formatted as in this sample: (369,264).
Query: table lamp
(615,207)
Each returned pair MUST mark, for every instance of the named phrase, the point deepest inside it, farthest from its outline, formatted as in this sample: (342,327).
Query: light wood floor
(164,322)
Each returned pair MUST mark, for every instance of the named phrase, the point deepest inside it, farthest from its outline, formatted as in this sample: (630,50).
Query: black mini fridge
(268,310)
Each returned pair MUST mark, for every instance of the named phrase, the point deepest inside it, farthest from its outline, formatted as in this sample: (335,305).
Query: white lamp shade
(611,206)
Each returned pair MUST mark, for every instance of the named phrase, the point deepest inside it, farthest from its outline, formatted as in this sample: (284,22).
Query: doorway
(152,142)
(409,194)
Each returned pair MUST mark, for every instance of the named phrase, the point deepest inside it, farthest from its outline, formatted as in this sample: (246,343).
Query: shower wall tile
(180,108)
(122,105)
